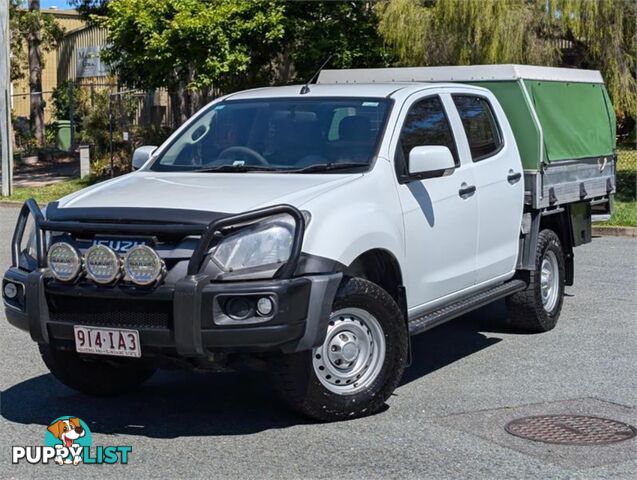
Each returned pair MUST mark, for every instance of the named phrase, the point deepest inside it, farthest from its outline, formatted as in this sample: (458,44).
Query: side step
(465,305)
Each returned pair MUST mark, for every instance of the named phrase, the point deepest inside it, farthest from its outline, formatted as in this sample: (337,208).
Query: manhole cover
(570,429)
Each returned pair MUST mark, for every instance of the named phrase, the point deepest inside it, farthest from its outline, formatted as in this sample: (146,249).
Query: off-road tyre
(526,309)
(295,376)
(94,376)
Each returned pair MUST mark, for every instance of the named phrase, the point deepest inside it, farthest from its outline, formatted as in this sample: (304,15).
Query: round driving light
(143,265)
(64,261)
(10,290)
(102,264)
(264,306)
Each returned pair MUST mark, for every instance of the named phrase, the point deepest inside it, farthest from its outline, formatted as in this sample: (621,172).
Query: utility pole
(6,138)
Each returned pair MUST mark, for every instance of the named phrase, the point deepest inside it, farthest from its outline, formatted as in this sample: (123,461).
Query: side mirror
(141,155)
(430,161)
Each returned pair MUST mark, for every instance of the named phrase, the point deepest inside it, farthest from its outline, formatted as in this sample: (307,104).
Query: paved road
(445,420)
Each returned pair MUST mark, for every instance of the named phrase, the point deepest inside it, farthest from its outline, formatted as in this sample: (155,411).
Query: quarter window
(479,124)
(426,124)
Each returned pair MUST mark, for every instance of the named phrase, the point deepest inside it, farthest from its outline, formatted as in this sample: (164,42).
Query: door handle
(514,178)
(466,191)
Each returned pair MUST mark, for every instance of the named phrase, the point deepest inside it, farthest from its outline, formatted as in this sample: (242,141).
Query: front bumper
(188,315)
(183,319)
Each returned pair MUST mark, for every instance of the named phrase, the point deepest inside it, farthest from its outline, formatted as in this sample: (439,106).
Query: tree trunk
(179,104)
(194,95)
(34,38)
(283,67)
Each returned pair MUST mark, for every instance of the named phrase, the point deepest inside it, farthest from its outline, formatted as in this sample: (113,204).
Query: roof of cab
(374,90)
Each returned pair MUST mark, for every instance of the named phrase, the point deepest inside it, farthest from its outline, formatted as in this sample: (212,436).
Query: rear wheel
(358,365)
(94,376)
(538,307)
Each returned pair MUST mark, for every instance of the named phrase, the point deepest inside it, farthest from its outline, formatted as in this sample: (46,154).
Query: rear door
(441,221)
(499,182)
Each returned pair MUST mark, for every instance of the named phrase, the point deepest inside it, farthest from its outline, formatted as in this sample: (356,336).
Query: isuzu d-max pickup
(311,230)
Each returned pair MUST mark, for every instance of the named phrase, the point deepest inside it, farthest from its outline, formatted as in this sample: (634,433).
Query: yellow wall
(69,20)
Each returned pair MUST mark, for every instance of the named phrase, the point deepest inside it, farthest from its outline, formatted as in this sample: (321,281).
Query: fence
(627,158)
(111,119)
(20,110)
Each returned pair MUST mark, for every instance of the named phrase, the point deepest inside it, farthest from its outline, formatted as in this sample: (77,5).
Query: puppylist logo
(68,441)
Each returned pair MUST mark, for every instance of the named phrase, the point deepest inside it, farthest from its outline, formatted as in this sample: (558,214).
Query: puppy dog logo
(67,441)
(69,436)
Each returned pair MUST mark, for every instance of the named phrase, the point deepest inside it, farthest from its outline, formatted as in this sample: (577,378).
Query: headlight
(143,265)
(64,261)
(264,244)
(102,264)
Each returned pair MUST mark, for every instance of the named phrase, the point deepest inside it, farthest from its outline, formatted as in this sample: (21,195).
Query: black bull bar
(104,221)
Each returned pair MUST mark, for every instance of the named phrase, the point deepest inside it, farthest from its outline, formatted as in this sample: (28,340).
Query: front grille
(110,312)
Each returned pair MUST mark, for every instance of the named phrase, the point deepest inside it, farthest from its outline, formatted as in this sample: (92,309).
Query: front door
(441,213)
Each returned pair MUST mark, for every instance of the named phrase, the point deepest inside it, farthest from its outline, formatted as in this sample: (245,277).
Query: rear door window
(480,126)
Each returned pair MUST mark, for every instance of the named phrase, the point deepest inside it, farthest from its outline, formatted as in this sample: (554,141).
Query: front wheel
(538,307)
(359,364)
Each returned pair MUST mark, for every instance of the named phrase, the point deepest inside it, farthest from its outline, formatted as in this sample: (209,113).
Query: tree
(88,8)
(197,49)
(190,46)
(346,30)
(461,32)
(604,34)
(34,39)
(453,32)
(40,32)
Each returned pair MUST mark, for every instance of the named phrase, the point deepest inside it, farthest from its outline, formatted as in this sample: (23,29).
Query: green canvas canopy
(556,114)
(576,119)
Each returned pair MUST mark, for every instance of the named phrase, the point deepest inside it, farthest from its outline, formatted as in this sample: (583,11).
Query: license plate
(107,341)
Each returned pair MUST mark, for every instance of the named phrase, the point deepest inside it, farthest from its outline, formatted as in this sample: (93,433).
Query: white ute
(308,231)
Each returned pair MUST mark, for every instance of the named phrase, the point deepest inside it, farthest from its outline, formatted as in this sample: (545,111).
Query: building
(77,57)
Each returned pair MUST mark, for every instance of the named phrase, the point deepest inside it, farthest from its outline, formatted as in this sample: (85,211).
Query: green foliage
(463,32)
(460,32)
(626,175)
(225,43)
(624,215)
(21,23)
(50,135)
(605,33)
(23,136)
(234,44)
(316,30)
(88,8)
(62,105)
(122,163)
(625,204)
(95,124)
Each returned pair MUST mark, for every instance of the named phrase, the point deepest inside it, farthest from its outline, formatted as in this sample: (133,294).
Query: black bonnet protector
(135,215)
(210,226)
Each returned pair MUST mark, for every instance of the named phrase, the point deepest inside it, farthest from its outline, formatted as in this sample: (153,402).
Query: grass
(624,215)
(51,192)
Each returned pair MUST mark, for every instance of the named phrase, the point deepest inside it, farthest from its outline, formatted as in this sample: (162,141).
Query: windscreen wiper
(237,168)
(321,167)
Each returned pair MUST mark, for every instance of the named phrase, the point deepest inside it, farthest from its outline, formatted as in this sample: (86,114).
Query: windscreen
(287,135)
